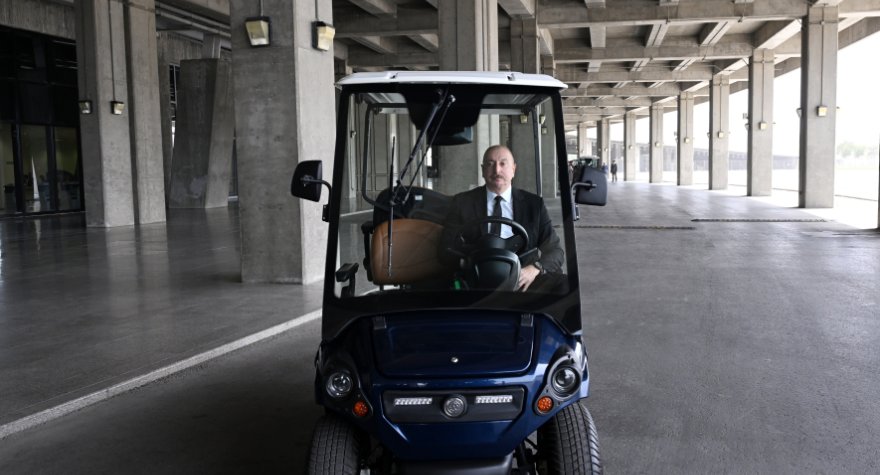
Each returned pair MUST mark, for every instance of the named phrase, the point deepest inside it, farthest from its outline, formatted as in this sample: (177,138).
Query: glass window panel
(35,168)
(67,168)
(7,170)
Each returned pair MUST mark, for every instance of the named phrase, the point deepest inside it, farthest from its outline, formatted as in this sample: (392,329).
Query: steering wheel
(491,262)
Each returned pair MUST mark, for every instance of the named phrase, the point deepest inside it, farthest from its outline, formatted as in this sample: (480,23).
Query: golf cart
(431,361)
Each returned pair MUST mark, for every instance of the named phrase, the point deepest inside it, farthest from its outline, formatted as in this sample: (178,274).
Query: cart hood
(453,343)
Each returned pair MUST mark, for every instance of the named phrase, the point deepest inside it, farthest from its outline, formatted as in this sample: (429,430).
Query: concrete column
(603,141)
(549,168)
(145,117)
(525,58)
(284,114)
(631,149)
(211,46)
(655,157)
(525,51)
(468,36)
(760,140)
(719,129)
(548,65)
(105,141)
(686,139)
(818,107)
(202,160)
(583,144)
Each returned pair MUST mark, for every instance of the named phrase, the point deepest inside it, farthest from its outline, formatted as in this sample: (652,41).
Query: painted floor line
(103,394)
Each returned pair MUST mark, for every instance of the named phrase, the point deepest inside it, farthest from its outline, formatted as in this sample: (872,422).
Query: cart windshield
(416,214)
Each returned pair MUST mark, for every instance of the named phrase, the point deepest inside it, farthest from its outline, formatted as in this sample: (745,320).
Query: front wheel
(569,444)
(335,449)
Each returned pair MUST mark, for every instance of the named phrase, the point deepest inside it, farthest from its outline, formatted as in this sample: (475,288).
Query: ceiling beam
(735,46)
(518,7)
(774,33)
(713,32)
(376,7)
(408,22)
(631,90)
(656,34)
(429,41)
(572,15)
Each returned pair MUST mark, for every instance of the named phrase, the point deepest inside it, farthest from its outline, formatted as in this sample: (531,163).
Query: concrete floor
(716,346)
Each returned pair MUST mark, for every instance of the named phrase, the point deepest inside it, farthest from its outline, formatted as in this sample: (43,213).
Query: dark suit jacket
(528,210)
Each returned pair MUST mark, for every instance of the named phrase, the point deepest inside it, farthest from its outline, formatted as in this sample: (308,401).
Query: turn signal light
(361,409)
(545,404)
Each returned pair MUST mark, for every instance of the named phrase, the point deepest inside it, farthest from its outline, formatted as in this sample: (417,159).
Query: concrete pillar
(145,117)
(549,167)
(548,65)
(211,46)
(525,58)
(719,129)
(655,158)
(202,159)
(760,147)
(468,36)
(685,139)
(603,141)
(284,114)
(525,51)
(583,144)
(818,107)
(105,141)
(631,149)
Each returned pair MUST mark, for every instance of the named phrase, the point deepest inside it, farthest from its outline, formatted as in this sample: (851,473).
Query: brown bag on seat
(413,252)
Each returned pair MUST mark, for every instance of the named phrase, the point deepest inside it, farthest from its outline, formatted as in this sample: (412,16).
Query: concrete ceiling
(615,55)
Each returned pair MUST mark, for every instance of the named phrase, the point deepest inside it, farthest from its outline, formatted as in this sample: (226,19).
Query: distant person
(604,168)
(614,171)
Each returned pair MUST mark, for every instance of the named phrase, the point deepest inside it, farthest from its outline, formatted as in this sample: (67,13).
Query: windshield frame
(340,311)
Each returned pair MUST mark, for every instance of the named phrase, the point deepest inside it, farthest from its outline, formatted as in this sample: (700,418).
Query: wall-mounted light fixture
(720,134)
(762,125)
(799,112)
(822,111)
(258,30)
(656,144)
(629,147)
(523,119)
(322,35)
(544,130)
(117,107)
(85,106)
(542,118)
(687,140)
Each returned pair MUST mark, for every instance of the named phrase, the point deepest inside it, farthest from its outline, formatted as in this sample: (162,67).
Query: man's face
(498,170)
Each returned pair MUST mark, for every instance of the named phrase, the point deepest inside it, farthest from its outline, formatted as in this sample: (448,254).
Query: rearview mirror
(306,182)
(591,188)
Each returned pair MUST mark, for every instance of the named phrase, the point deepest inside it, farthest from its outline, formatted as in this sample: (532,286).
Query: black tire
(568,444)
(335,448)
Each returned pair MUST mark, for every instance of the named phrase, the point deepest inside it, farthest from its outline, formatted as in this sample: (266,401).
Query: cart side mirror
(591,188)
(307,180)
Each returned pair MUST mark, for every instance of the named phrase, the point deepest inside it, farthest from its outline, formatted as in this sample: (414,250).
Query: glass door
(68,174)
(8,203)
(39,195)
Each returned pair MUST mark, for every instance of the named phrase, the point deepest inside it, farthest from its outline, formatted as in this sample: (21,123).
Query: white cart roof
(455,77)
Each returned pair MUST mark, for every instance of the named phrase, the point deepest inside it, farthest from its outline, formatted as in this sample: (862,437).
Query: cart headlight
(339,384)
(565,381)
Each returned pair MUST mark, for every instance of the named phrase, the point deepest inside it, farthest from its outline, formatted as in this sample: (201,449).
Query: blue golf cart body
(426,366)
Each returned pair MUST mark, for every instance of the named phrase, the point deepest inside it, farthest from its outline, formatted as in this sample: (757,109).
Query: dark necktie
(495,228)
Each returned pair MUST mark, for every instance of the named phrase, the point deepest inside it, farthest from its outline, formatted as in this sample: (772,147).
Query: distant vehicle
(427,368)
